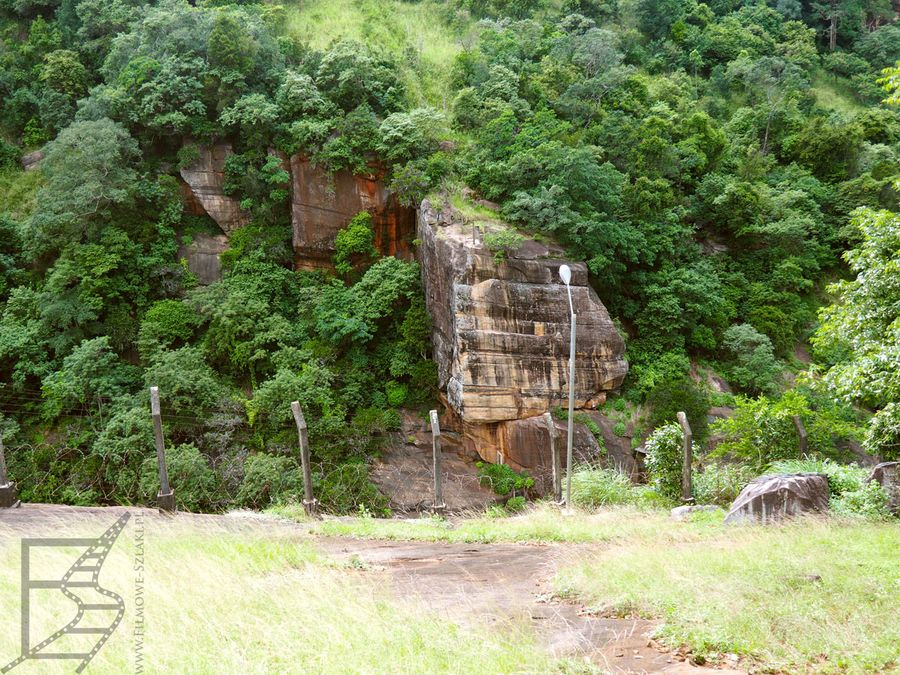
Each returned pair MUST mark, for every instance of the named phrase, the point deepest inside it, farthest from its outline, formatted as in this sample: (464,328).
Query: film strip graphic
(84,574)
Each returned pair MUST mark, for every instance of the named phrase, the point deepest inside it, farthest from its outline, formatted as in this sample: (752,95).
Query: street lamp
(565,273)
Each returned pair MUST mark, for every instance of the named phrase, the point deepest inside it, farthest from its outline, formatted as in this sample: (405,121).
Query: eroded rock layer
(322,204)
(206,177)
(501,334)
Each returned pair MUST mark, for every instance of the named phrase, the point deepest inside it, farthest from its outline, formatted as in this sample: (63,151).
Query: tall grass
(814,595)
(415,34)
(220,602)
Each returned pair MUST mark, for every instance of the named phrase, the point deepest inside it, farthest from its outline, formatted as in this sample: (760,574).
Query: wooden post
(309,501)
(554,457)
(686,491)
(165,499)
(8,498)
(801,432)
(439,506)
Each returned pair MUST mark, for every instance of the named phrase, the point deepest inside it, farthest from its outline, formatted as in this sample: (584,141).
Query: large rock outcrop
(322,204)
(205,178)
(775,497)
(501,338)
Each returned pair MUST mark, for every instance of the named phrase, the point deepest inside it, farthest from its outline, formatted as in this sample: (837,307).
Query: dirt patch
(497,583)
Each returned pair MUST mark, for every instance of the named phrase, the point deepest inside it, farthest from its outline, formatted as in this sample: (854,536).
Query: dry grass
(227,602)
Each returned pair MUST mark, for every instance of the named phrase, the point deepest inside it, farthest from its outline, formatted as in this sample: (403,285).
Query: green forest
(730,173)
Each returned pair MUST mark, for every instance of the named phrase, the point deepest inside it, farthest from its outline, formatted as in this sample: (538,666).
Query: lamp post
(565,273)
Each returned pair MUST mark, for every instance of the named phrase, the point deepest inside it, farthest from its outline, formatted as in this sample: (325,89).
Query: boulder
(206,178)
(501,328)
(887,474)
(500,333)
(31,160)
(775,497)
(322,204)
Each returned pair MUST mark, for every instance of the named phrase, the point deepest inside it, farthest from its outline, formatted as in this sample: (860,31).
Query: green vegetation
(716,166)
(805,596)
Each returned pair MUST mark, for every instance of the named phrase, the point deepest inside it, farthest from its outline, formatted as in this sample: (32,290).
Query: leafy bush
(851,494)
(269,479)
(720,483)
(762,430)
(190,475)
(355,242)
(665,459)
(753,366)
(669,398)
(502,479)
(502,243)
(347,488)
(515,504)
(869,502)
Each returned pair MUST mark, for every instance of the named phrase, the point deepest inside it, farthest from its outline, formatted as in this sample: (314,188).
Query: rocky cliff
(321,205)
(501,337)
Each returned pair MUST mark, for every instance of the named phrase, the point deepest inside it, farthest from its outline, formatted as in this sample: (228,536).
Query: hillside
(716,167)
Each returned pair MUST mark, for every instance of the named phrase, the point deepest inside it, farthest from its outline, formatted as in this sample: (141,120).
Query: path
(475,584)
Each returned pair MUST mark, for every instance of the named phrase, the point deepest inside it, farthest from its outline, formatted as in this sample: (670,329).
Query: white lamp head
(565,273)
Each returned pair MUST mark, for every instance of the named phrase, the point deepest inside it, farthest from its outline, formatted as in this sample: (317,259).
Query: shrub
(356,241)
(869,502)
(347,489)
(761,431)
(269,479)
(665,459)
(668,398)
(720,483)
(502,243)
(620,429)
(851,495)
(754,366)
(515,504)
(190,475)
(502,479)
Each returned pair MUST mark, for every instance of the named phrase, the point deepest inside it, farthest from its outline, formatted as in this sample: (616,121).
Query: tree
(860,333)
(355,243)
(90,170)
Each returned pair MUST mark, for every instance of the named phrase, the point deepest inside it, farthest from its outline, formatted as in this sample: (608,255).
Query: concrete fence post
(801,432)
(439,506)
(554,457)
(8,497)
(165,499)
(686,488)
(310,505)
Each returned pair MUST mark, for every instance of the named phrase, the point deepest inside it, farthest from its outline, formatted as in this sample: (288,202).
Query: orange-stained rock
(322,204)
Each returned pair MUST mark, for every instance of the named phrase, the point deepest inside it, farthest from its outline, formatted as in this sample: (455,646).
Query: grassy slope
(413,33)
(226,603)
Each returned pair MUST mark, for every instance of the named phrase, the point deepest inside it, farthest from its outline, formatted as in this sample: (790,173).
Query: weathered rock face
(776,497)
(31,160)
(322,204)
(205,177)
(202,255)
(887,474)
(501,338)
